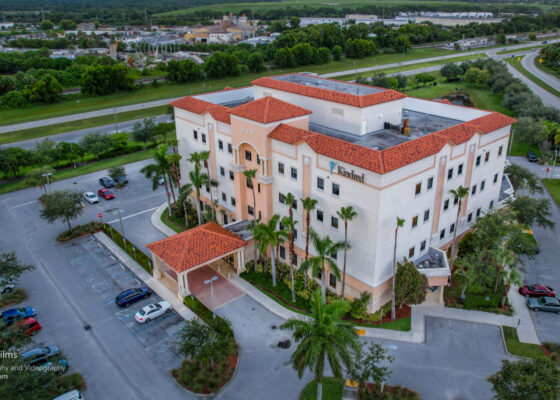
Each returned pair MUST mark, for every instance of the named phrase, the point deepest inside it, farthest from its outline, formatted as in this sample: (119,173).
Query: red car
(537,291)
(106,194)
(27,326)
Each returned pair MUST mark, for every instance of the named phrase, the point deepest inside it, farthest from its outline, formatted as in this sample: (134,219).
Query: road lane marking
(24,204)
(133,215)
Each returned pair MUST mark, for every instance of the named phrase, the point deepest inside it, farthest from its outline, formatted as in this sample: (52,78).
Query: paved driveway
(224,291)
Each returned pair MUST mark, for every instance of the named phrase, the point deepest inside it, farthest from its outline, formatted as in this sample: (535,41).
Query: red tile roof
(220,113)
(269,109)
(198,106)
(383,96)
(196,246)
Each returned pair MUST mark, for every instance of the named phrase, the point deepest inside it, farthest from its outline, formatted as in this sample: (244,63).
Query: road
(132,107)
(75,136)
(528,62)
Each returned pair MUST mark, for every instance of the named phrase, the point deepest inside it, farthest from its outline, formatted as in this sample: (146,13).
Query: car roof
(539,287)
(12,311)
(551,299)
(73,395)
(88,193)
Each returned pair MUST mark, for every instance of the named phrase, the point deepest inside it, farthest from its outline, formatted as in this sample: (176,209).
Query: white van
(72,395)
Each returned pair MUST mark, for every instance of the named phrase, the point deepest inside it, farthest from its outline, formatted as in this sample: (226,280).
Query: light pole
(48,181)
(209,281)
(118,212)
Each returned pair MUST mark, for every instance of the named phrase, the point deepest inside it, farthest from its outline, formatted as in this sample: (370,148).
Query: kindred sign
(350,174)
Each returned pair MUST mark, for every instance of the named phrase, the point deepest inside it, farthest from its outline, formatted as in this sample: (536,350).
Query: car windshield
(542,300)
(108,192)
(142,312)
(20,310)
(90,195)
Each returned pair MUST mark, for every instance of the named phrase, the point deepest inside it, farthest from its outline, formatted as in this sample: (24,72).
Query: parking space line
(133,215)
(24,204)
(110,301)
(113,258)
(122,266)
(138,282)
(120,274)
(152,323)
(164,339)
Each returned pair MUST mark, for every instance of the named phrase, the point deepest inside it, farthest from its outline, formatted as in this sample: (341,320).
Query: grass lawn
(84,169)
(515,347)
(171,223)
(520,149)
(25,134)
(553,187)
(166,91)
(546,69)
(517,65)
(332,390)
(529,47)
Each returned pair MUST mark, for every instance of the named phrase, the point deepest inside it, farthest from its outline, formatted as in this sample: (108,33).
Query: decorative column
(183,285)
(156,270)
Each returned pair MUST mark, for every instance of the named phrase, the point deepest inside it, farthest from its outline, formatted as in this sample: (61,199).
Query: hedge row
(141,258)
(221,325)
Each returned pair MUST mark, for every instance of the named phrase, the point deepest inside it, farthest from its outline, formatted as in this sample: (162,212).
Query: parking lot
(107,277)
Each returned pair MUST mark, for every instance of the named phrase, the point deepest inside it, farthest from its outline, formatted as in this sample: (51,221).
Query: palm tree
(204,156)
(173,159)
(400,223)
(346,214)
(511,276)
(159,168)
(324,337)
(289,228)
(184,193)
(250,175)
(198,179)
(269,235)
(325,248)
(460,193)
(309,205)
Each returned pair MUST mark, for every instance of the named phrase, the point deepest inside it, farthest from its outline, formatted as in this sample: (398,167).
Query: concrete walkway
(153,283)
(158,224)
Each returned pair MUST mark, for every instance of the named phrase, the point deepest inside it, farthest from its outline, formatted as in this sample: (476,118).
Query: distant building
(6,25)
(86,26)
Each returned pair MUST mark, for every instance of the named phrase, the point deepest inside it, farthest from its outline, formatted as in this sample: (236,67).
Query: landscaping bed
(552,350)
(516,348)
(80,230)
(389,393)
(332,389)
(17,296)
(173,222)
(66,383)
(133,251)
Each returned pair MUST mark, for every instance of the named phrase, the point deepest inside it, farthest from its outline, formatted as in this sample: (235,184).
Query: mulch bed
(232,364)
(386,388)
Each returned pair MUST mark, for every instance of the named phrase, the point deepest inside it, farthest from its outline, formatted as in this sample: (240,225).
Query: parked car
(106,194)
(72,395)
(537,291)
(550,304)
(28,326)
(59,366)
(14,314)
(126,298)
(6,287)
(152,311)
(531,156)
(91,198)
(161,180)
(106,182)
(38,355)
(122,179)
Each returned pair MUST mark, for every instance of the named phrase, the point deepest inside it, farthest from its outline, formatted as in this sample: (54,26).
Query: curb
(155,219)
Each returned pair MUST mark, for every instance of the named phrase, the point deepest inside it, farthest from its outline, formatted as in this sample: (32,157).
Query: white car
(6,287)
(161,180)
(91,197)
(153,311)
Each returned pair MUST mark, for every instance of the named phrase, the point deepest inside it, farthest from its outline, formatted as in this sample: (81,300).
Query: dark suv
(126,298)
(106,182)
(531,156)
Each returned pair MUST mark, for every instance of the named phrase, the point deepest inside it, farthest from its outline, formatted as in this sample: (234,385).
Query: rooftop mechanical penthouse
(378,150)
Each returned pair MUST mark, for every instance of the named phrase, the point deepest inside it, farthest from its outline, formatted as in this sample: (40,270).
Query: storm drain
(87,327)
(284,344)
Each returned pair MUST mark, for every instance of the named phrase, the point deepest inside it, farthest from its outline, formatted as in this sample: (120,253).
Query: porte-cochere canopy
(196,247)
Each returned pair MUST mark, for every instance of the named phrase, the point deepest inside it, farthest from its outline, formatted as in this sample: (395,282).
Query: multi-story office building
(384,153)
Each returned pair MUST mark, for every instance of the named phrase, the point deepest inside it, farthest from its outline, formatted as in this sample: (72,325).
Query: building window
(426,215)
(233,201)
(220,145)
(294,204)
(450,173)
(495,178)
(334,255)
(487,157)
(203,136)
(492,204)
(195,134)
(423,245)
(500,150)
(294,259)
(294,233)
(332,280)
(482,184)
(334,222)
(452,228)
(231,175)
(469,218)
(411,252)
(320,183)
(225,219)
(460,170)
(430,184)
(281,168)
(445,205)
(250,210)
(478,212)
(473,191)
(229,148)
(282,252)
(258,187)
(258,160)
(224,197)
(415,221)
(281,226)
(281,198)
(248,155)
(208,188)
(249,183)
(455,200)
(477,161)
(293,172)
(319,215)
(442,234)
(222,171)
(319,274)
(335,189)
(418,189)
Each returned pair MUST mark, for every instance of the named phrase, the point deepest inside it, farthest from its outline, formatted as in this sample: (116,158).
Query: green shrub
(358,307)
(479,301)
(141,258)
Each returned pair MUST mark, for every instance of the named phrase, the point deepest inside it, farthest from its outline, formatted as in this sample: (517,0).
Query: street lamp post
(118,212)
(209,281)
(48,181)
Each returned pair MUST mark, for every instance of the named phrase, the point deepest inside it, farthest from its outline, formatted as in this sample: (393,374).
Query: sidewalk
(148,279)
(160,226)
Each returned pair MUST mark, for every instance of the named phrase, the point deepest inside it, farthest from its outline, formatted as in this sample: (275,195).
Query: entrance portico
(177,256)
